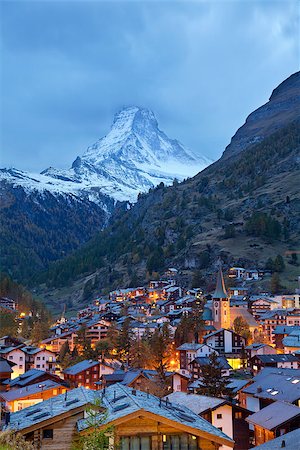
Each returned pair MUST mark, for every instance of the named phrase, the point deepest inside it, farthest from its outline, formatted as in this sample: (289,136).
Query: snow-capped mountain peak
(134,156)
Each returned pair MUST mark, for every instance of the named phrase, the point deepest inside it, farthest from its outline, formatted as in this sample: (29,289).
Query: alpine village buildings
(256,366)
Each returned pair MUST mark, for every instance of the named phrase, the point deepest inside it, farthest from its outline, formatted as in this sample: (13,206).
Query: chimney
(133,391)
(259,389)
(283,443)
(147,392)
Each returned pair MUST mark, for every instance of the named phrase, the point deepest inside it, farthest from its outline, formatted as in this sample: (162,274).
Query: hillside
(244,208)
(44,217)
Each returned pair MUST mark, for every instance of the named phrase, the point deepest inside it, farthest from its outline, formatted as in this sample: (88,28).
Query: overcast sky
(202,67)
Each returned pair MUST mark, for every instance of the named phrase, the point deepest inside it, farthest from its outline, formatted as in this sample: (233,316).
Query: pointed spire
(220,291)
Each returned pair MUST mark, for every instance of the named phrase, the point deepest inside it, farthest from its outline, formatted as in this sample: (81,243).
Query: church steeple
(220,291)
(221,304)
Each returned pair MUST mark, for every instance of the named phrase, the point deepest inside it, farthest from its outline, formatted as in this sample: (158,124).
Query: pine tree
(214,384)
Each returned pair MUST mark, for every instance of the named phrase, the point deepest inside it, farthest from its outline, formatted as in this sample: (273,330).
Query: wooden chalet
(139,420)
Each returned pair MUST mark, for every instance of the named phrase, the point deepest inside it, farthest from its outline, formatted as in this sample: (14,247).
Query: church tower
(221,304)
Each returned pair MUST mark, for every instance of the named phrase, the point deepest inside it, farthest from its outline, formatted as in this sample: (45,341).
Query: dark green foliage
(214,384)
(156,260)
(261,224)
(276,265)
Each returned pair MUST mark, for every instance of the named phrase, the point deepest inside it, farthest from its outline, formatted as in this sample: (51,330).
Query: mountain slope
(244,207)
(45,216)
(281,109)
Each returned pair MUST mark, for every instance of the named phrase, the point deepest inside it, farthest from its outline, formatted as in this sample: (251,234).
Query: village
(172,368)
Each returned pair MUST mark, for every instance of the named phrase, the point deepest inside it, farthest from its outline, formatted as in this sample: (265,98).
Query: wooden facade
(141,430)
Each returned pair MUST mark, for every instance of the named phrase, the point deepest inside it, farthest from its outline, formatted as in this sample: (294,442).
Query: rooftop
(197,403)
(280,384)
(32,389)
(119,401)
(274,415)
(80,367)
(290,442)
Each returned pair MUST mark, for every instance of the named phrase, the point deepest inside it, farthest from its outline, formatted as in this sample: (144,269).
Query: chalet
(258,348)
(225,341)
(251,275)
(236,272)
(39,358)
(197,364)
(238,291)
(272,319)
(31,377)
(291,343)
(274,420)
(261,304)
(96,329)
(224,415)
(85,373)
(16,356)
(17,399)
(5,370)
(189,351)
(173,293)
(280,332)
(139,420)
(258,362)
(287,440)
(145,380)
(270,385)
(55,343)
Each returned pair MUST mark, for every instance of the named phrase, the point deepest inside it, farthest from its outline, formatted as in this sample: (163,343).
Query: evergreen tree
(161,348)
(279,264)
(275,283)
(124,341)
(214,384)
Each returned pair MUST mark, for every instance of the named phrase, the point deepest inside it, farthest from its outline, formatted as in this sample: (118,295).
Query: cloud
(202,67)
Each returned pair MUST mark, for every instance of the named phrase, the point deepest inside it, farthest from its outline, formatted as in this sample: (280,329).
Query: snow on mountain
(133,157)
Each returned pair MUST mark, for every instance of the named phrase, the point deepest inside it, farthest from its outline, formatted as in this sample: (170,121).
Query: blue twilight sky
(201,66)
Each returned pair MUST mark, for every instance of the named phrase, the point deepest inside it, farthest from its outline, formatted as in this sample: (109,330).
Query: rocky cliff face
(282,108)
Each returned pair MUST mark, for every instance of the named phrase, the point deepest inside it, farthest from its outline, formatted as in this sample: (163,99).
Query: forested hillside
(244,209)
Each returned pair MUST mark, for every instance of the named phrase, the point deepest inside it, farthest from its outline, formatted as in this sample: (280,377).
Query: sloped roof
(220,291)
(293,339)
(274,415)
(29,377)
(280,385)
(14,394)
(190,346)
(81,366)
(50,408)
(5,366)
(277,358)
(291,441)
(205,360)
(197,403)
(121,401)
